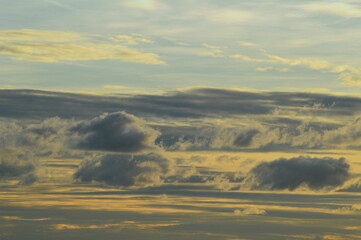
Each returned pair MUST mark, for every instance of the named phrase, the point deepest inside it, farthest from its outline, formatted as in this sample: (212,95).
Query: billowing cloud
(117,132)
(16,165)
(125,170)
(314,173)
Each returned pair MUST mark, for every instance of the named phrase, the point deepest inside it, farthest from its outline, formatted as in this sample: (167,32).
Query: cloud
(16,218)
(49,52)
(114,87)
(124,224)
(224,15)
(31,35)
(250,211)
(116,132)
(352,185)
(343,9)
(16,165)
(142,4)
(57,46)
(125,170)
(184,103)
(266,69)
(348,74)
(350,79)
(131,40)
(249,44)
(315,173)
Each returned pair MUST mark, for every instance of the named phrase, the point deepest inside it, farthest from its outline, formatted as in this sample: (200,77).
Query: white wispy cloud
(343,8)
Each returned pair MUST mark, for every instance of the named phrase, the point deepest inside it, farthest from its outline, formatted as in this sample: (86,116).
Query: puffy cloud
(125,170)
(16,165)
(315,173)
(117,132)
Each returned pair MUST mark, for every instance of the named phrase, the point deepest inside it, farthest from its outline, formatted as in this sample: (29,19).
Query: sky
(157,119)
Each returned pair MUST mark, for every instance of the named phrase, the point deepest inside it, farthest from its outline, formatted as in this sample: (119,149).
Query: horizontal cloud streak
(57,46)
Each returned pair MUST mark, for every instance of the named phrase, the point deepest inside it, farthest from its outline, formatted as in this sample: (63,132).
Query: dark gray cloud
(315,173)
(191,103)
(353,185)
(117,132)
(125,170)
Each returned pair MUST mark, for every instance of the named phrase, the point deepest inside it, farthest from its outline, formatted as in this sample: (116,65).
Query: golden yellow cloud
(40,35)
(56,46)
(131,40)
(114,87)
(347,74)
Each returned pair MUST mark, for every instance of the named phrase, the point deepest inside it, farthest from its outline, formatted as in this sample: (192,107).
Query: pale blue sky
(268,45)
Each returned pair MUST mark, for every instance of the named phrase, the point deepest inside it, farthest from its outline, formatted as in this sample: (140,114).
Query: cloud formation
(16,165)
(347,74)
(56,46)
(314,173)
(125,170)
(187,103)
(250,211)
(343,9)
(116,132)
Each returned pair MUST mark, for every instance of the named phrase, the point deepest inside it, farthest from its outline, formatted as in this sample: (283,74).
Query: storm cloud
(125,170)
(315,173)
(116,132)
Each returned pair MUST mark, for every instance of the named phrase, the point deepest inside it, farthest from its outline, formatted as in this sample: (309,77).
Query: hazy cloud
(315,173)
